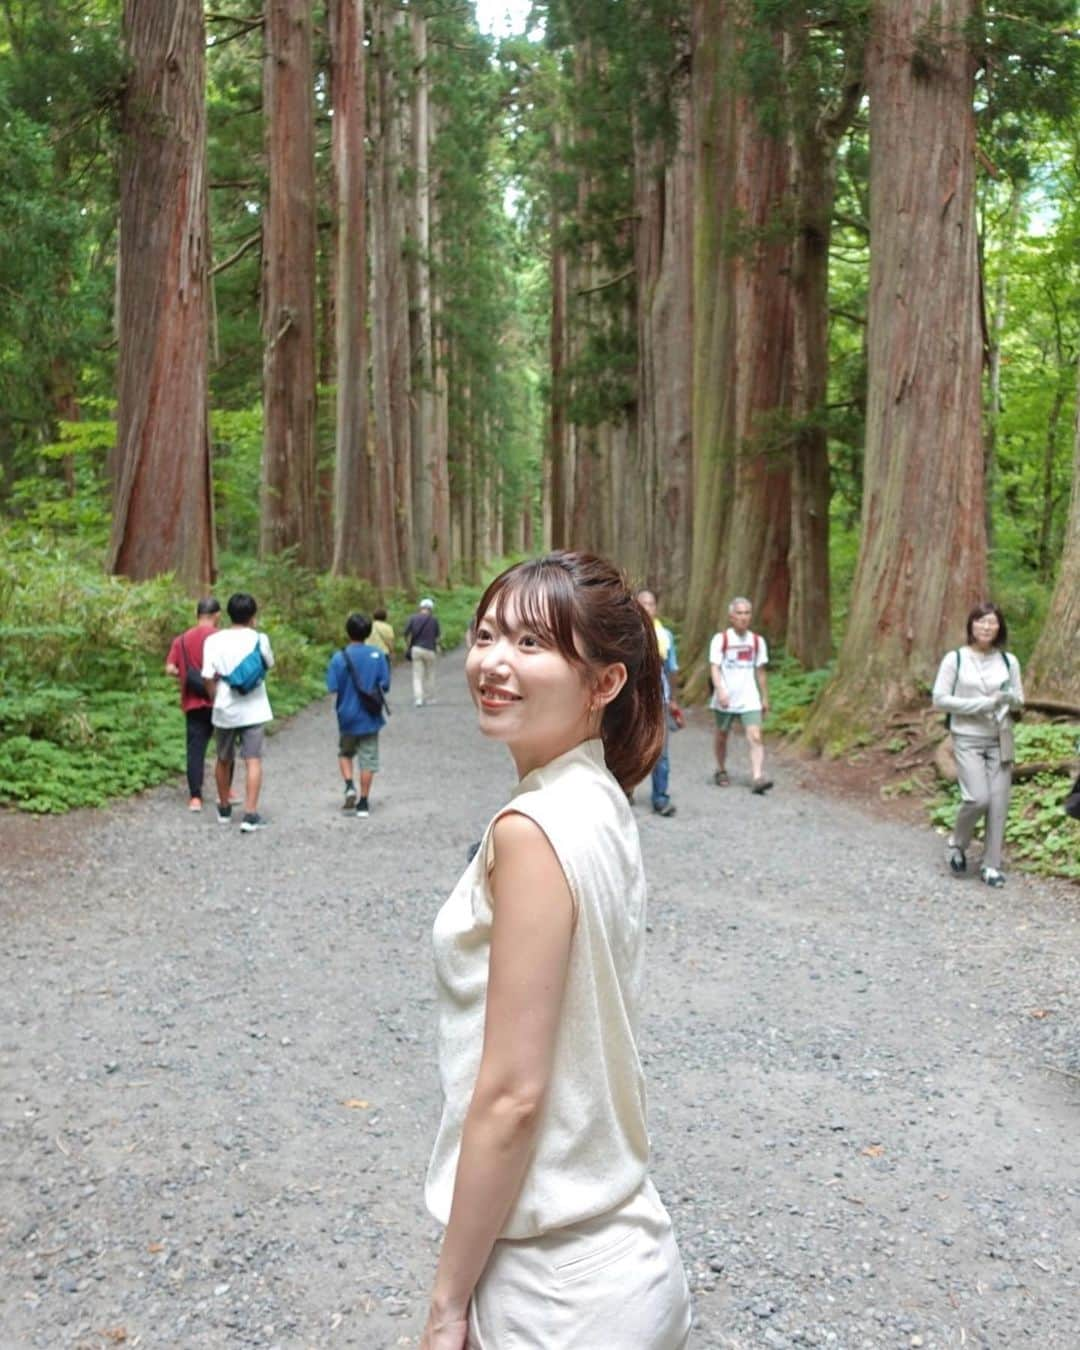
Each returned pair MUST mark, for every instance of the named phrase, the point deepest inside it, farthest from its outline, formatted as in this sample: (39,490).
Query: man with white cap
(421,642)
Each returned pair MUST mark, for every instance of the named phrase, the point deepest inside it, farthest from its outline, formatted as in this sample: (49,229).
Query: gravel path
(217,1087)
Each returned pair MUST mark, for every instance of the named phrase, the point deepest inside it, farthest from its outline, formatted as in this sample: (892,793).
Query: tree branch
(612,281)
(245,247)
(1051,708)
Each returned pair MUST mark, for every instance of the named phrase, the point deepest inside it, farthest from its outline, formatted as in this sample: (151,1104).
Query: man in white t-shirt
(737,661)
(238,718)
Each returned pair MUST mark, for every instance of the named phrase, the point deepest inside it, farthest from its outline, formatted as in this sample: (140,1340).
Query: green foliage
(792,690)
(86,712)
(1038,833)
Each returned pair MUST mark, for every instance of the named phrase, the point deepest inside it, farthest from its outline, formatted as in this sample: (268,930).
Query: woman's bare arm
(530,950)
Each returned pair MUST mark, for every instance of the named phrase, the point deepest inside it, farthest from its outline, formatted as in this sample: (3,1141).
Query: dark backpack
(249,673)
(194,684)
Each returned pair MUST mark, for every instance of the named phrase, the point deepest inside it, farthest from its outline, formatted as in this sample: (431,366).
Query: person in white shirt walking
(737,661)
(239,717)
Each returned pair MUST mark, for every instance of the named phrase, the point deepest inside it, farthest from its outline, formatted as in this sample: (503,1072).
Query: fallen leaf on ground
(356,1103)
(1039,1012)
(873,1150)
(156,1247)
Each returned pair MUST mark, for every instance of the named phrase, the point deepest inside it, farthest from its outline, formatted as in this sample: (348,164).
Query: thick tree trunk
(431,496)
(390,321)
(558,429)
(162,495)
(760,530)
(1054,671)
(288,476)
(360,517)
(714,404)
(816,131)
(922,553)
(663,258)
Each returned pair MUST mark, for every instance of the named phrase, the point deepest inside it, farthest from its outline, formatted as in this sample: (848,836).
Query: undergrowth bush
(86,711)
(1038,833)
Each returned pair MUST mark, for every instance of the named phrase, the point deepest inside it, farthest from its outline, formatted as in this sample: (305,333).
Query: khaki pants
(423,674)
(615,1282)
(985,784)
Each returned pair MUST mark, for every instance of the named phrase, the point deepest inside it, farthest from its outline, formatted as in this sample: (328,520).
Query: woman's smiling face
(527,694)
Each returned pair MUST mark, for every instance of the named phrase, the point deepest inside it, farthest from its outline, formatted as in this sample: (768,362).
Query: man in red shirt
(185,662)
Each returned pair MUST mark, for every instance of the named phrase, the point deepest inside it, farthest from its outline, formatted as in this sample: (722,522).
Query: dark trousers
(199,731)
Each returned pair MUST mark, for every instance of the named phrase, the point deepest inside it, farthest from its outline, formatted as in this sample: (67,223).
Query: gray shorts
(250,740)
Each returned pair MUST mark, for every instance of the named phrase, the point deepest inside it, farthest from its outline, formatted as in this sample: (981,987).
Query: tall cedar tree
(162,500)
(363,536)
(288,509)
(922,554)
(391,365)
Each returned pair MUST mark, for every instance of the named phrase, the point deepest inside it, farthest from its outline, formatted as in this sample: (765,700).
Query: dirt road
(217,1083)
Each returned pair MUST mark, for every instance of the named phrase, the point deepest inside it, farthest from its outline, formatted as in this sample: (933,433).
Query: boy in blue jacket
(359,675)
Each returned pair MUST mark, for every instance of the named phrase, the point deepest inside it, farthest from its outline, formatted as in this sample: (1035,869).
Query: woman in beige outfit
(555,1237)
(979,687)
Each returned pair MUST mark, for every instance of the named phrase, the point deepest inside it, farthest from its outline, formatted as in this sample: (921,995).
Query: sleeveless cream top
(592,1144)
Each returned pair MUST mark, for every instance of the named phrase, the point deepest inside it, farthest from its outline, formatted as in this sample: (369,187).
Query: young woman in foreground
(555,1237)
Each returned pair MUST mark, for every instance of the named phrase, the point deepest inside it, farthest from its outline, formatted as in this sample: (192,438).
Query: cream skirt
(615,1282)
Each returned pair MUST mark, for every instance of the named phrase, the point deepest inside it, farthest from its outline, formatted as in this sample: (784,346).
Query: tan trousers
(615,1282)
(985,784)
(423,674)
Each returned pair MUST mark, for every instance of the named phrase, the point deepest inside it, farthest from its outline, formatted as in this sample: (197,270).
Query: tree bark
(760,528)
(431,495)
(289,338)
(360,517)
(162,492)
(390,300)
(922,553)
(1054,670)
(663,260)
(816,132)
(558,427)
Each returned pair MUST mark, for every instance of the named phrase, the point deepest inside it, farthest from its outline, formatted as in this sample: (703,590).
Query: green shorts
(725,719)
(365,748)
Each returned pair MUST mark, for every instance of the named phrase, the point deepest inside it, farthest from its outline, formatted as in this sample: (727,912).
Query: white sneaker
(992,876)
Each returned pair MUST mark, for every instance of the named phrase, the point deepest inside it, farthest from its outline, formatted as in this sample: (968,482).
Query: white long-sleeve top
(970,694)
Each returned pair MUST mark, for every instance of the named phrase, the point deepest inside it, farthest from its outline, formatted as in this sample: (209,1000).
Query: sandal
(721,779)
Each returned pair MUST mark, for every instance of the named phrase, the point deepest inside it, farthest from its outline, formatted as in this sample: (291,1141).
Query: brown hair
(980,612)
(583,606)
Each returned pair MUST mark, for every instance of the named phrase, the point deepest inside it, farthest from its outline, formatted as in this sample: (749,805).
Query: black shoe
(956,858)
(362,808)
(252,821)
(760,785)
(350,799)
(668,809)
(224,814)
